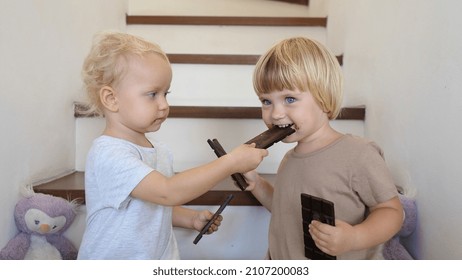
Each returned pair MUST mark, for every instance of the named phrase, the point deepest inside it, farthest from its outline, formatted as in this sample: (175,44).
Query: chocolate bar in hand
(214,217)
(263,141)
(316,208)
(219,151)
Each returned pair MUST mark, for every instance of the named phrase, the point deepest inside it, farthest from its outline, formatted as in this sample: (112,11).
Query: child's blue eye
(154,94)
(290,100)
(265,102)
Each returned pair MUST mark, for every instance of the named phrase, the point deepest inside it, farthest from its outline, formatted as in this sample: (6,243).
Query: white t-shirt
(119,226)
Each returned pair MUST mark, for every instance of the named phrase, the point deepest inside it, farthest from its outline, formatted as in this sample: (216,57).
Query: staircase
(213,46)
(212,55)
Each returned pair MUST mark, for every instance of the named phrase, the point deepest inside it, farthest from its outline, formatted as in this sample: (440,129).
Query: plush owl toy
(41,219)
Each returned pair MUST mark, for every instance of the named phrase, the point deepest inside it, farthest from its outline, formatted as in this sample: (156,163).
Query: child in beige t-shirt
(299,84)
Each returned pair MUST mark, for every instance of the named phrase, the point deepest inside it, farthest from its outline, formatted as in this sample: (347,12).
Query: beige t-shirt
(351,172)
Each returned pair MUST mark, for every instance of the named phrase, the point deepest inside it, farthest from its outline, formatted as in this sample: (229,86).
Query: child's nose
(163,104)
(278,112)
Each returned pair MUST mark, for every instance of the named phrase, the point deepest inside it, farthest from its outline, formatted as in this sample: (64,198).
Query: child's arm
(382,223)
(192,219)
(260,188)
(189,184)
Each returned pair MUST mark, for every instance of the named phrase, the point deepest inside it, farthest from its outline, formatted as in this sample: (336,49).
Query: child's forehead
(152,69)
(283,92)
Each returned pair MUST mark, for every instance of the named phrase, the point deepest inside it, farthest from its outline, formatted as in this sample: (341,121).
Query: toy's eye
(54,227)
(36,222)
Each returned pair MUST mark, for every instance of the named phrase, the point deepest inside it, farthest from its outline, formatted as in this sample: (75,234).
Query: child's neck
(136,138)
(316,143)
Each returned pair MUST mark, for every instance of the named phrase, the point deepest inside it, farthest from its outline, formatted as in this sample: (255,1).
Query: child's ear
(109,99)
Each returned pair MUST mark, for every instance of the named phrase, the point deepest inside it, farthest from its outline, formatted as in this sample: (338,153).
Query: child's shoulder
(107,145)
(360,144)
(357,140)
(108,141)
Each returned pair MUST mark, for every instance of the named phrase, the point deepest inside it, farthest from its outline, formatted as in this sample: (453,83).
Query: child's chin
(153,128)
(288,140)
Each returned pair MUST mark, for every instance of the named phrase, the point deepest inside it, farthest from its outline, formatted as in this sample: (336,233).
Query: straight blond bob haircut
(106,62)
(301,64)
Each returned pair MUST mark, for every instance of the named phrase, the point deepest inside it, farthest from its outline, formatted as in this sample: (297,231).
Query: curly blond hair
(106,61)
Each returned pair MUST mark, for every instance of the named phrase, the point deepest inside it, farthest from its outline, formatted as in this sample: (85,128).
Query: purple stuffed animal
(393,248)
(41,219)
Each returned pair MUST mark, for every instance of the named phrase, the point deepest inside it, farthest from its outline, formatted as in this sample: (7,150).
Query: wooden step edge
(226,59)
(72,186)
(221,112)
(299,2)
(213,59)
(227,20)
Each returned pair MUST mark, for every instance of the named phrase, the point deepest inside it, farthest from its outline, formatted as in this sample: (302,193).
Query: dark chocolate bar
(219,151)
(271,136)
(214,217)
(316,208)
(262,141)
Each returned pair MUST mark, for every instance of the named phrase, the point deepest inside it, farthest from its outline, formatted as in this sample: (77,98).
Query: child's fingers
(219,219)
(208,215)
(215,225)
(321,237)
(317,230)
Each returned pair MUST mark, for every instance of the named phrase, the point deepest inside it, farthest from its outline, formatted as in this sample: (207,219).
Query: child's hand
(251,178)
(202,218)
(247,157)
(333,240)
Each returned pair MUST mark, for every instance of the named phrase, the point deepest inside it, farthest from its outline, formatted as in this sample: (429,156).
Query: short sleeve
(372,179)
(118,169)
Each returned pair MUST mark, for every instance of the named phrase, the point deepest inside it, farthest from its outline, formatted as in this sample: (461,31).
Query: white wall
(42,47)
(405,59)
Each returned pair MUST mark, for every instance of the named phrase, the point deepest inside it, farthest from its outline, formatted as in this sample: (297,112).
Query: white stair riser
(212,85)
(232,241)
(187,139)
(264,8)
(221,39)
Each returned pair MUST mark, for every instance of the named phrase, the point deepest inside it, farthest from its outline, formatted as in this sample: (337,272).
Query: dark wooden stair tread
(72,186)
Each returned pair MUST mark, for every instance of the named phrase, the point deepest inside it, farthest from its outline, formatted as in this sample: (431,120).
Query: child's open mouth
(285,125)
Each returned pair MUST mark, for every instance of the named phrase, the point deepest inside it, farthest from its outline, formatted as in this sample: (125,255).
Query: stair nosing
(224,112)
(226,20)
(72,187)
(225,59)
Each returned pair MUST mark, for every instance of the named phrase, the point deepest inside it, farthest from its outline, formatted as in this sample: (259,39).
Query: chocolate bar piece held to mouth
(263,141)
(269,137)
